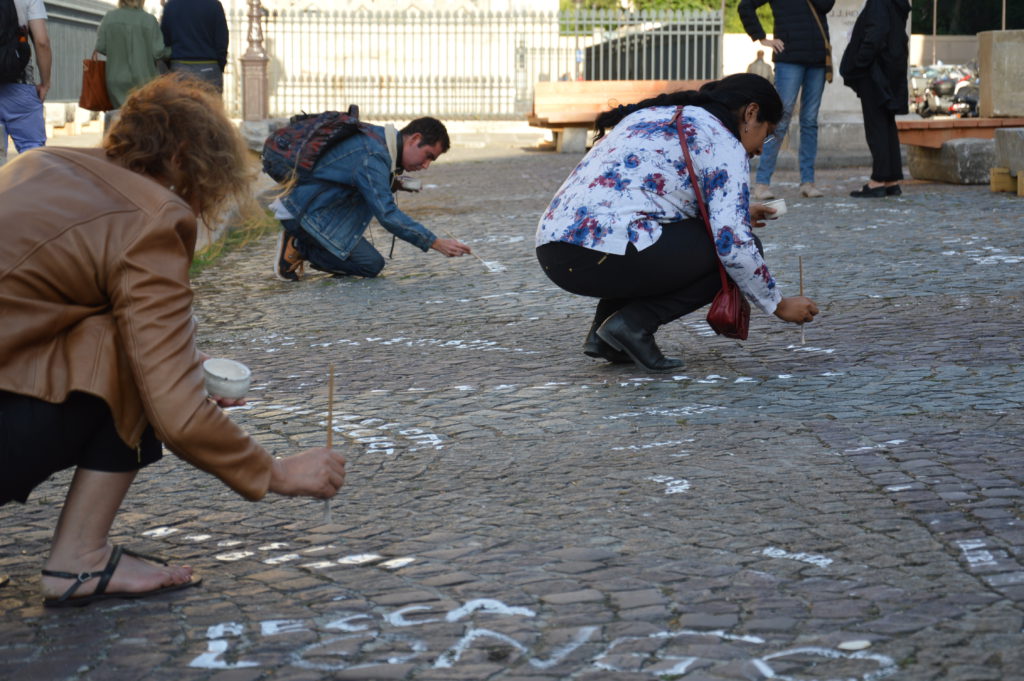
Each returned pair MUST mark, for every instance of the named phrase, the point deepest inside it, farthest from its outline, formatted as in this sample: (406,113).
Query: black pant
(882,136)
(670,278)
(38,438)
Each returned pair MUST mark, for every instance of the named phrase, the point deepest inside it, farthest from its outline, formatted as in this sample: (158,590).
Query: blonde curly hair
(175,129)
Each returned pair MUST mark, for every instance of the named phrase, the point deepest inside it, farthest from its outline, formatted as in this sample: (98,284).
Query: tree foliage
(965,17)
(732,17)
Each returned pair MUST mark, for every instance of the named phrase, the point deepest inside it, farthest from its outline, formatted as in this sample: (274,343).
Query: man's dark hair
(432,130)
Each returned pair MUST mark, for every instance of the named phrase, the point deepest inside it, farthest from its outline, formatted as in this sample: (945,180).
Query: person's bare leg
(81,544)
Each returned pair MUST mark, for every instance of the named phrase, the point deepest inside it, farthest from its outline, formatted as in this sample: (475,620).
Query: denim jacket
(350,184)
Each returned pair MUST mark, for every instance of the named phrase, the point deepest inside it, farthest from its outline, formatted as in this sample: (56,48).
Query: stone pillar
(1001,67)
(255,76)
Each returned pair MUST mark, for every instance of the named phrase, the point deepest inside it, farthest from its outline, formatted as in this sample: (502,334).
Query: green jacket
(132,42)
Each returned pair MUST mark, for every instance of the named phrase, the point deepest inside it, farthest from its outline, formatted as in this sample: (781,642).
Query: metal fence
(465,65)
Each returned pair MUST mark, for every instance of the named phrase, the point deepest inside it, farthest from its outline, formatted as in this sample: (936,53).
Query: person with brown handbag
(131,40)
(628,227)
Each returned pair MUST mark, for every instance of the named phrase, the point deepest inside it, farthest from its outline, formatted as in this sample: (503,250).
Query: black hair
(432,131)
(723,98)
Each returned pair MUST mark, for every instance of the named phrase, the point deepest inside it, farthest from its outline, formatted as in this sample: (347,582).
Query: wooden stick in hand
(801,260)
(330,431)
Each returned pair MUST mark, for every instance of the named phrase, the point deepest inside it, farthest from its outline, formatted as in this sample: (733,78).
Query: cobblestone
(516,511)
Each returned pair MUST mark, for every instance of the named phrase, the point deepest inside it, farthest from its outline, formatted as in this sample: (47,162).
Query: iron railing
(464,65)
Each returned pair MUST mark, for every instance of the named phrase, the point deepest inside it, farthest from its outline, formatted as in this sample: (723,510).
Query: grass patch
(237,234)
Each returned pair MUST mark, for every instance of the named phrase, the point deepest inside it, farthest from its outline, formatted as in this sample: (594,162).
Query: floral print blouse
(634,180)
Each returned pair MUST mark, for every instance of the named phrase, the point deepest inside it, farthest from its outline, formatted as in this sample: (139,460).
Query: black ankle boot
(637,343)
(593,346)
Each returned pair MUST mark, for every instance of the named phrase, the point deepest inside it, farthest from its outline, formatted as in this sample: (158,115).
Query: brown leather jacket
(95,297)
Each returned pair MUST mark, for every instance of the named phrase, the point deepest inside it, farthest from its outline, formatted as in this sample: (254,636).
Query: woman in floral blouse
(625,226)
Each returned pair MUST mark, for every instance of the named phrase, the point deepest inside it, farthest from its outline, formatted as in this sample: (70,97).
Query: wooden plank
(578,103)
(932,133)
(1000,180)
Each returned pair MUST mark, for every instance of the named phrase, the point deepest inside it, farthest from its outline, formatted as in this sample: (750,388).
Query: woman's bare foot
(132,575)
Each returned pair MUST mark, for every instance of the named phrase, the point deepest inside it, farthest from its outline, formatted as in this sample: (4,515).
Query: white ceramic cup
(780,208)
(226,378)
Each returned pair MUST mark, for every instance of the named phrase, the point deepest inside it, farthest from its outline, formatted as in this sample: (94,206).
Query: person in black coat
(802,54)
(874,65)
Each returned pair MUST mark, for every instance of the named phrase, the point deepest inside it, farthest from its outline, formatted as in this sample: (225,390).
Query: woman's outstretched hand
(759,213)
(796,309)
(318,472)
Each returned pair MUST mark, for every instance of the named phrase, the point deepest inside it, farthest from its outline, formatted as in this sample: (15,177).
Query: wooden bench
(570,107)
(952,150)
(933,132)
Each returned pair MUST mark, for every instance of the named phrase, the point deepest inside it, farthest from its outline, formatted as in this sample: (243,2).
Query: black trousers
(671,278)
(38,438)
(882,136)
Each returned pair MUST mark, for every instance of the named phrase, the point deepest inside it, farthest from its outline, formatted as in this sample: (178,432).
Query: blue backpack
(292,151)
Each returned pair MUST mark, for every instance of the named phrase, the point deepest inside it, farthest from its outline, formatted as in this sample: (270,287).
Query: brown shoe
(810,191)
(288,263)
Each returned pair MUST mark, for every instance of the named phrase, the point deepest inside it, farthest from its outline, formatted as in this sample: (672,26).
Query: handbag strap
(698,193)
(817,20)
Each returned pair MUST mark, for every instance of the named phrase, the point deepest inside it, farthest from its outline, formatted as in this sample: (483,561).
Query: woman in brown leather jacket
(98,362)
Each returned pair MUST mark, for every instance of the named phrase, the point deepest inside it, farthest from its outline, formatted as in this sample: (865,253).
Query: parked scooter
(943,90)
(965,98)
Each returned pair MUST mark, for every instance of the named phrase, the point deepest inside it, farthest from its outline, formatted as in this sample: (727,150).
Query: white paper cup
(780,208)
(410,184)
(226,378)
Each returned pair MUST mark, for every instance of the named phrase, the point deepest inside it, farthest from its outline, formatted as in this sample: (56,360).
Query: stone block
(1010,149)
(960,161)
(571,140)
(1001,67)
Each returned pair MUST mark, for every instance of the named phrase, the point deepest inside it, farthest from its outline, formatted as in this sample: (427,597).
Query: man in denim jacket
(325,215)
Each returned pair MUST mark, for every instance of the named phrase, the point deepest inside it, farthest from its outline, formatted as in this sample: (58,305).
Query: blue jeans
(21,113)
(207,70)
(789,79)
(363,261)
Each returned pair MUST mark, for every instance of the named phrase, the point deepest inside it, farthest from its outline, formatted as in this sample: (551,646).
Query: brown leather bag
(94,95)
(729,314)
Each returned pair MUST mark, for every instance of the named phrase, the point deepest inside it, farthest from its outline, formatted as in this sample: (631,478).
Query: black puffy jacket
(794,26)
(875,61)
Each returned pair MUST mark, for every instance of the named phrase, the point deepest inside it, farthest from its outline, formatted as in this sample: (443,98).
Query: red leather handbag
(94,95)
(729,315)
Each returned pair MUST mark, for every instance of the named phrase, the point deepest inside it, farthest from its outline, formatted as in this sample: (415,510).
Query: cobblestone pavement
(518,511)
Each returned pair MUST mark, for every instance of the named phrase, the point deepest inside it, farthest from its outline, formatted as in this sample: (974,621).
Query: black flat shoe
(867,192)
(595,347)
(893,190)
(637,343)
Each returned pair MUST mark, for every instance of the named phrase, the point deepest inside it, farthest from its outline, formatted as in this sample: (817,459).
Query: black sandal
(66,600)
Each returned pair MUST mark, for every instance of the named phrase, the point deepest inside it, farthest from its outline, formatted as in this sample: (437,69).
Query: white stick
(330,431)
(801,260)
(486,264)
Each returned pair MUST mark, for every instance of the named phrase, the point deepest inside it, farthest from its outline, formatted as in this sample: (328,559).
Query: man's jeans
(363,261)
(789,79)
(21,113)
(205,70)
